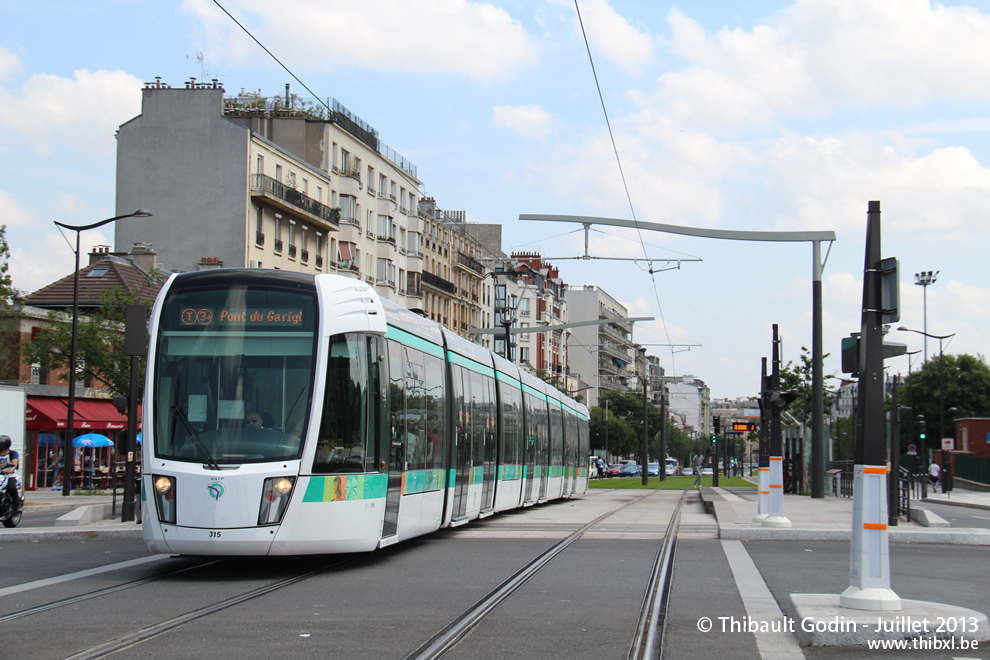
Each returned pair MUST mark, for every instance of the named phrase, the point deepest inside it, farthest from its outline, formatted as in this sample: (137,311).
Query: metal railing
(269,186)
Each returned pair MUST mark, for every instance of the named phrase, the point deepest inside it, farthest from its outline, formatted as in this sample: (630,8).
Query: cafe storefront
(44,442)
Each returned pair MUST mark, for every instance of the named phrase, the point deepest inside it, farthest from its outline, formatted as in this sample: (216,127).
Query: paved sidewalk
(830,519)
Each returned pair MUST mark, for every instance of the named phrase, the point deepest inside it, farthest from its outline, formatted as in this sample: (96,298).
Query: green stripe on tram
(338,488)
(506,378)
(468,363)
(413,341)
(535,392)
(421,481)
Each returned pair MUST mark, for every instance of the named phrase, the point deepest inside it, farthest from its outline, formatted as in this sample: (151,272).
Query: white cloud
(470,39)
(83,111)
(613,38)
(526,120)
(13,214)
(818,55)
(9,63)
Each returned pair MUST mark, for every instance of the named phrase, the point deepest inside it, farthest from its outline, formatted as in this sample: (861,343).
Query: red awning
(88,414)
(346,251)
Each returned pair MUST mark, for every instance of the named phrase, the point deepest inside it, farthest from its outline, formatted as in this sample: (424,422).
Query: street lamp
(68,454)
(923,279)
(941,377)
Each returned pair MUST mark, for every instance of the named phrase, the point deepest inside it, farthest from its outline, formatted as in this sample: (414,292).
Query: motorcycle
(7,515)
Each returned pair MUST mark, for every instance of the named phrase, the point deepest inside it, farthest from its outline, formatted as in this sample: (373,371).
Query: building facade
(602,355)
(250,181)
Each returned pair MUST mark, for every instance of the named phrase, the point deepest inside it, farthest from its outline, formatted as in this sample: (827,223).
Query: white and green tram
(290,414)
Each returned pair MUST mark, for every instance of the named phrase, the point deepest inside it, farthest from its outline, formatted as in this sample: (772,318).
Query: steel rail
(38,609)
(447,638)
(138,636)
(648,640)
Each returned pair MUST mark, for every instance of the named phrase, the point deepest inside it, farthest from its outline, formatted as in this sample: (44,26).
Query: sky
(758,116)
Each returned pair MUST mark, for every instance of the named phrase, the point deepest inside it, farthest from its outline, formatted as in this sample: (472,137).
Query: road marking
(759,603)
(47,582)
(981,517)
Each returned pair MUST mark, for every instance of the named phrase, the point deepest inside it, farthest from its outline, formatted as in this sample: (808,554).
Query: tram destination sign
(206,317)
(743,426)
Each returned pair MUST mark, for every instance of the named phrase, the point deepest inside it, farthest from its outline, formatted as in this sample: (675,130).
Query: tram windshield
(233,375)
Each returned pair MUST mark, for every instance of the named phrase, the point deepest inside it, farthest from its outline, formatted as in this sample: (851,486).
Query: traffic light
(713,438)
(922,434)
(717,423)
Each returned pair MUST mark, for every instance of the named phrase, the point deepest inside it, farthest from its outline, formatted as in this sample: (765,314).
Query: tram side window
(511,417)
(348,407)
(436,419)
(537,423)
(571,437)
(557,434)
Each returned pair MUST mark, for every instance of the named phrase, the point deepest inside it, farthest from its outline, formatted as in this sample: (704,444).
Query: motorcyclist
(9,460)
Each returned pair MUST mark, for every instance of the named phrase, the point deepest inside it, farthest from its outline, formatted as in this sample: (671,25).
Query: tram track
(136,637)
(654,604)
(99,593)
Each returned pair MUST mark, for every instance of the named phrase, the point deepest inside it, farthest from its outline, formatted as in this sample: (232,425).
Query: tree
(9,335)
(99,343)
(967,389)
(797,379)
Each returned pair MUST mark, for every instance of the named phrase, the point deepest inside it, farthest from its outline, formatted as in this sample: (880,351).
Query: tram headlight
(164,488)
(274,499)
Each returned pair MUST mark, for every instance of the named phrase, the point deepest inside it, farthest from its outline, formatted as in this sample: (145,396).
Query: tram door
(396,448)
(483,387)
(462,440)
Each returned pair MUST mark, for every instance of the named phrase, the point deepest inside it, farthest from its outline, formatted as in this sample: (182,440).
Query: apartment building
(273,182)
(691,398)
(602,355)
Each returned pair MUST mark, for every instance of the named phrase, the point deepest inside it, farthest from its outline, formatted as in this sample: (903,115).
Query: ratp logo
(215,490)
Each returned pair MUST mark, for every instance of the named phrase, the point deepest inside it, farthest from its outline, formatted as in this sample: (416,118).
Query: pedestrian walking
(696,464)
(934,472)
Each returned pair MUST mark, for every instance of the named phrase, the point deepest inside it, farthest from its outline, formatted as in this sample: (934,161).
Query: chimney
(99,253)
(144,257)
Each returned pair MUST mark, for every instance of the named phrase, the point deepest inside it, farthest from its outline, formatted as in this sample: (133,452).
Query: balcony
(289,199)
(305,255)
(470,263)
(259,238)
(292,251)
(349,265)
(278,244)
(439,283)
(319,261)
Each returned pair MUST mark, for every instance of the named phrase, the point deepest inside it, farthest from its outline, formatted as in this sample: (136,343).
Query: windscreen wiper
(194,436)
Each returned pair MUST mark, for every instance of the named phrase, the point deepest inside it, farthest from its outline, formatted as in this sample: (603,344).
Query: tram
(292,414)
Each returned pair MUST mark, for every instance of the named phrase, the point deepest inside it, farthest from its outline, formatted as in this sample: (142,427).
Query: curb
(128,533)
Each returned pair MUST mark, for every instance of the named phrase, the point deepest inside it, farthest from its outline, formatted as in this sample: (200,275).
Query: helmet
(4,442)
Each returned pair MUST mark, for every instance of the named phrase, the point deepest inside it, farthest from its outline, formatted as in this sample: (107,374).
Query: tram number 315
(214,535)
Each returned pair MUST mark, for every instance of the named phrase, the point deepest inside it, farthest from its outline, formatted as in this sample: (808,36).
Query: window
(385,273)
(524,307)
(278,233)
(278,172)
(333,156)
(97,272)
(305,186)
(261,164)
(350,409)
(319,194)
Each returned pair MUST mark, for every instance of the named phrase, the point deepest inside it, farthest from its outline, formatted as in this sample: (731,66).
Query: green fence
(973,468)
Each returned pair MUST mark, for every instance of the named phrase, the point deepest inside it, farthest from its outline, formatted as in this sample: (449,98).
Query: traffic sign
(912,450)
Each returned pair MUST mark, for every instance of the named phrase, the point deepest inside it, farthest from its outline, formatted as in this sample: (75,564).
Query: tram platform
(830,518)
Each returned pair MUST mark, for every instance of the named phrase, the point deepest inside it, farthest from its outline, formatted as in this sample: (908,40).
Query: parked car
(629,469)
(687,471)
(614,469)
(653,469)
(706,472)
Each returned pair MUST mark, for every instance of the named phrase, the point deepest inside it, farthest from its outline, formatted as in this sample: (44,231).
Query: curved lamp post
(941,378)
(68,453)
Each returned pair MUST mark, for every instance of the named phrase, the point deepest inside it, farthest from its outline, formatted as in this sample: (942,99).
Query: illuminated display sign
(743,426)
(206,317)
